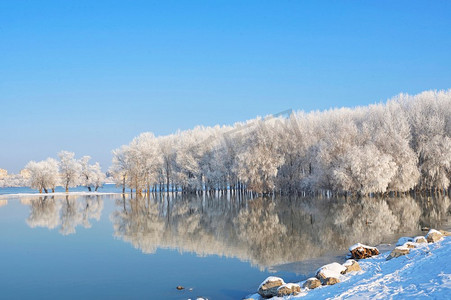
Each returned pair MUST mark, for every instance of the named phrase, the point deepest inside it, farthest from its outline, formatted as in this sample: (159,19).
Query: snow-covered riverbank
(423,273)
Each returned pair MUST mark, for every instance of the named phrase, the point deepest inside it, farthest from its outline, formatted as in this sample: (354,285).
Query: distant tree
(70,169)
(43,174)
(91,176)
(121,167)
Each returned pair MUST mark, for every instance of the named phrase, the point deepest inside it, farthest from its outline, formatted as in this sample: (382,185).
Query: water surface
(116,247)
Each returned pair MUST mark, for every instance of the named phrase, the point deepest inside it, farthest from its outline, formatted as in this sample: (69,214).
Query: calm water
(115,247)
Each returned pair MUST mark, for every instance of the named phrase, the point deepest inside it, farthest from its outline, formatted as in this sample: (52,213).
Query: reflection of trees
(44,212)
(66,212)
(3,203)
(264,231)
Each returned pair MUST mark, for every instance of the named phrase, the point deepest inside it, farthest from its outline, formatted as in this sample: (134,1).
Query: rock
(288,289)
(434,236)
(403,240)
(398,251)
(410,245)
(179,287)
(420,239)
(311,283)
(331,281)
(268,288)
(424,228)
(360,251)
(351,266)
(445,233)
(329,274)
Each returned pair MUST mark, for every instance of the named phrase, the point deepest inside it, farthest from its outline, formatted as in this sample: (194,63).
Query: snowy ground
(424,273)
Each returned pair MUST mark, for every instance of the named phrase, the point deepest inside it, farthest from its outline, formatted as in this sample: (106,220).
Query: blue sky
(88,76)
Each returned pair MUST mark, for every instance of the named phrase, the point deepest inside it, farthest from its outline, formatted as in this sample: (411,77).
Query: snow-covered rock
(423,276)
(409,245)
(311,283)
(359,251)
(434,236)
(330,273)
(420,239)
(445,233)
(351,266)
(268,288)
(288,289)
(398,251)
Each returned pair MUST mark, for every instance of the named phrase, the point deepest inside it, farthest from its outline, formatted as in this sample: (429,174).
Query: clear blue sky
(88,76)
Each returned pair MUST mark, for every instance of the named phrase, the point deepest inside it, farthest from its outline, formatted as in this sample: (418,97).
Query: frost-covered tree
(120,167)
(399,146)
(91,176)
(70,169)
(44,174)
(261,158)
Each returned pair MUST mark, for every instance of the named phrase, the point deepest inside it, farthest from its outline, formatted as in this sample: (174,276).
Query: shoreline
(424,271)
(58,194)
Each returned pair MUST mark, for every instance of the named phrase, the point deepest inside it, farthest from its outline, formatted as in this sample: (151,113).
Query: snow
(289,285)
(402,248)
(433,231)
(269,279)
(423,273)
(331,270)
(348,263)
(360,245)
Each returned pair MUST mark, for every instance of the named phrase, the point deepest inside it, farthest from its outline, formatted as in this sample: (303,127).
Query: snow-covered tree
(43,174)
(399,146)
(70,169)
(91,176)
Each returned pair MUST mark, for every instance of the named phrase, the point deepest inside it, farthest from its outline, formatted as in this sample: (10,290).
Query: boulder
(288,289)
(434,236)
(179,287)
(331,281)
(445,233)
(410,245)
(398,251)
(351,266)
(419,239)
(268,288)
(360,251)
(329,274)
(403,240)
(311,283)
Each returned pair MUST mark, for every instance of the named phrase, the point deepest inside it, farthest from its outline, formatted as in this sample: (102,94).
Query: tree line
(67,172)
(399,146)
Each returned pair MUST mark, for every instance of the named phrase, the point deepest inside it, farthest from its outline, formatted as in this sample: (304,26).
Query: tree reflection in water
(264,231)
(268,231)
(65,212)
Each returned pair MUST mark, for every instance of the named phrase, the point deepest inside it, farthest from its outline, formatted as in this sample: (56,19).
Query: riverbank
(423,273)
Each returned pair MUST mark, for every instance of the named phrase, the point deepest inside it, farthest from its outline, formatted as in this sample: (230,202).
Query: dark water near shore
(116,247)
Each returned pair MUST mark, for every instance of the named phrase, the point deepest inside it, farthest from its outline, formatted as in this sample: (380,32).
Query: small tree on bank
(70,169)
(43,174)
